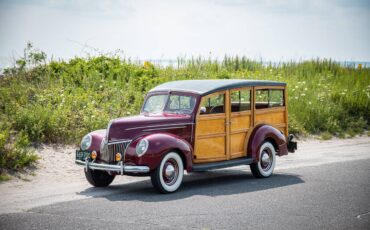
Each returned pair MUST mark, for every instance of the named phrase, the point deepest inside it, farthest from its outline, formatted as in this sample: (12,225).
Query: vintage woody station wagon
(192,125)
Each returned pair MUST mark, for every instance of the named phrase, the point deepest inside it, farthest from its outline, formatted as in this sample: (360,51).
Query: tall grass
(60,101)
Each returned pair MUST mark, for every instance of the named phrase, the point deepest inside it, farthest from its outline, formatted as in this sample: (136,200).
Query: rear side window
(240,100)
(276,98)
(269,98)
(213,104)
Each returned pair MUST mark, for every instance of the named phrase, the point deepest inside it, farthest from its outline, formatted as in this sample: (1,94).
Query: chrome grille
(116,147)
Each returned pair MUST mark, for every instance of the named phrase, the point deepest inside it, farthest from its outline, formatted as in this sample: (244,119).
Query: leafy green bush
(15,152)
(4,177)
(60,101)
(326,136)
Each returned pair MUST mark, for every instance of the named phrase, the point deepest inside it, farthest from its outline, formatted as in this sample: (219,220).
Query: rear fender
(266,132)
(159,145)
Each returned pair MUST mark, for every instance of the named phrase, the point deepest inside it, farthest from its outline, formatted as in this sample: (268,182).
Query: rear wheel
(167,177)
(266,163)
(98,178)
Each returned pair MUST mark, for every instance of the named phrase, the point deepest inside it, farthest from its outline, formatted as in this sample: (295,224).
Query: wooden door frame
(247,113)
(225,115)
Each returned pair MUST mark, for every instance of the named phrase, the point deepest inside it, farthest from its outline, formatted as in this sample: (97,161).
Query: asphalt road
(327,196)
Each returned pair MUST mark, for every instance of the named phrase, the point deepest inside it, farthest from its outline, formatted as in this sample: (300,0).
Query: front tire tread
(98,178)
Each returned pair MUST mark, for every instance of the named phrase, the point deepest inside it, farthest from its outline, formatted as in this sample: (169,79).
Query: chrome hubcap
(266,159)
(170,171)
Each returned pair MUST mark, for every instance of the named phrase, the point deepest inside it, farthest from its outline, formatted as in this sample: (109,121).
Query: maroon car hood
(135,126)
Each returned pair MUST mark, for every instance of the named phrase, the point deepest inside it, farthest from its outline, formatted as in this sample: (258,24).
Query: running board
(221,164)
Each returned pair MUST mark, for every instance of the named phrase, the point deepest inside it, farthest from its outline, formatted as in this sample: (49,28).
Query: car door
(212,127)
(240,120)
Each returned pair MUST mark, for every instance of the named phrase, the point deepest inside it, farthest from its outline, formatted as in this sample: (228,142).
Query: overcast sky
(273,30)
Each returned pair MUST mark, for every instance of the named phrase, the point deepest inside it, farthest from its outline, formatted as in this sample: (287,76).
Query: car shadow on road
(211,183)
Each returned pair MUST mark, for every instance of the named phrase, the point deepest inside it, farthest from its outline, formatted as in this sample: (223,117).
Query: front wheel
(266,163)
(167,177)
(98,178)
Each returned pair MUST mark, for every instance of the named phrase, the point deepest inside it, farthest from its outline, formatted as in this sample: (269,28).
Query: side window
(276,98)
(240,100)
(262,98)
(180,104)
(213,104)
(268,98)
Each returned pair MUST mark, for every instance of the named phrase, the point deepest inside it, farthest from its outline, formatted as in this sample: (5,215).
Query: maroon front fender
(97,137)
(159,145)
(262,133)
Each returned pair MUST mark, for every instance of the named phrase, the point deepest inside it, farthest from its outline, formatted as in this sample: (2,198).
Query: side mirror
(203,110)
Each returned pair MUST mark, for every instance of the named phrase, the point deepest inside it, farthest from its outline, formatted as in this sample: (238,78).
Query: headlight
(142,147)
(86,142)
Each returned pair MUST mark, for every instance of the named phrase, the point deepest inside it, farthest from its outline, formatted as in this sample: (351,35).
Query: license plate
(82,154)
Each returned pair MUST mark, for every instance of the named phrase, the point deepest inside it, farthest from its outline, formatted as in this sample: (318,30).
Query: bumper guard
(292,145)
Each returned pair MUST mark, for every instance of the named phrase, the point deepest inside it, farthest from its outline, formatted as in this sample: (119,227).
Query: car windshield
(155,103)
(178,104)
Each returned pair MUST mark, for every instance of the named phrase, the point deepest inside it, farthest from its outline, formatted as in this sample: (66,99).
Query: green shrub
(61,101)
(325,136)
(15,152)
(4,177)
(296,127)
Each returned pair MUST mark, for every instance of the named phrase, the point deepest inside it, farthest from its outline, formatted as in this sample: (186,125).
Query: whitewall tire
(266,163)
(167,177)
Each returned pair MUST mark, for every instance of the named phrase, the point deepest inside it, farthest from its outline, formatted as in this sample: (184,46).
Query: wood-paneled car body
(192,125)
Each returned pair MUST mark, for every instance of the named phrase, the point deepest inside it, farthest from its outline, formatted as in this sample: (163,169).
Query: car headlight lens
(142,147)
(86,142)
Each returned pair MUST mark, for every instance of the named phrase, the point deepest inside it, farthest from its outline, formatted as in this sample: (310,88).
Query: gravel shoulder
(58,179)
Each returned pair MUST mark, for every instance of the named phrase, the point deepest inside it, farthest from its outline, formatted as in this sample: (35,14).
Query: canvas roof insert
(205,87)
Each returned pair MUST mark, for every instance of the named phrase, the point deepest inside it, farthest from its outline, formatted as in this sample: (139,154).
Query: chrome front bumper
(119,168)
